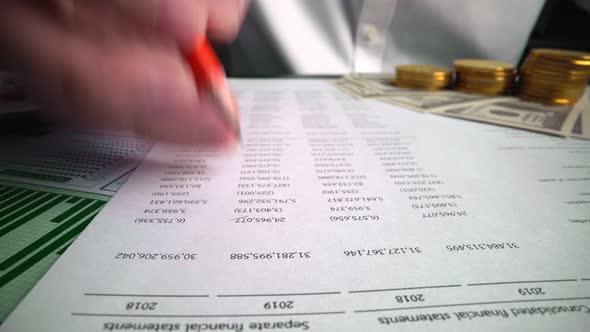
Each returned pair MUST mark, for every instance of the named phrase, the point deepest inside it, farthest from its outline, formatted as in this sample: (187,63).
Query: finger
(224,18)
(100,20)
(186,19)
(208,130)
(182,20)
(136,85)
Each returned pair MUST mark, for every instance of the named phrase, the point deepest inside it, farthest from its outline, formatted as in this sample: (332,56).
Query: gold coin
(554,71)
(423,70)
(551,102)
(419,77)
(549,80)
(553,87)
(554,79)
(484,87)
(483,74)
(482,65)
(551,92)
(485,77)
(483,83)
(477,79)
(554,76)
(563,75)
(418,87)
(577,57)
(501,89)
(535,81)
(479,92)
(550,97)
(425,80)
(422,80)
(565,63)
(422,77)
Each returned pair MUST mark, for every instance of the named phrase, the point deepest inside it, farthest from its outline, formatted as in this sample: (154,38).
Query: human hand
(119,64)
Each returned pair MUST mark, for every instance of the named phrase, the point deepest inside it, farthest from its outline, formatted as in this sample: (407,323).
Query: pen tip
(238,132)
(227,108)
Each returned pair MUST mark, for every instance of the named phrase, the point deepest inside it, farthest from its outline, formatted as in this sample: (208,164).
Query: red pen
(209,74)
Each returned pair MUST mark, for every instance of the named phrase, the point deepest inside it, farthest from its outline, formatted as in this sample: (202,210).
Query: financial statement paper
(335,215)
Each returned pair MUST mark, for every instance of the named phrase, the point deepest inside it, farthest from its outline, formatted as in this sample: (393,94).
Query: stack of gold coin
(486,77)
(554,77)
(422,77)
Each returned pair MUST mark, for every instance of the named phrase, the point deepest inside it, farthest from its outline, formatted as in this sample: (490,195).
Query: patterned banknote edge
(512,112)
(425,102)
(364,85)
(581,128)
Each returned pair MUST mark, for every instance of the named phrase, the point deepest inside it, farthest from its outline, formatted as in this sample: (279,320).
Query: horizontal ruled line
(144,295)
(585,279)
(520,282)
(473,303)
(278,294)
(89,314)
(398,289)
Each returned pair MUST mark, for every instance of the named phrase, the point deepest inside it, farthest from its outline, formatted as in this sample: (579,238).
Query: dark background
(562,24)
